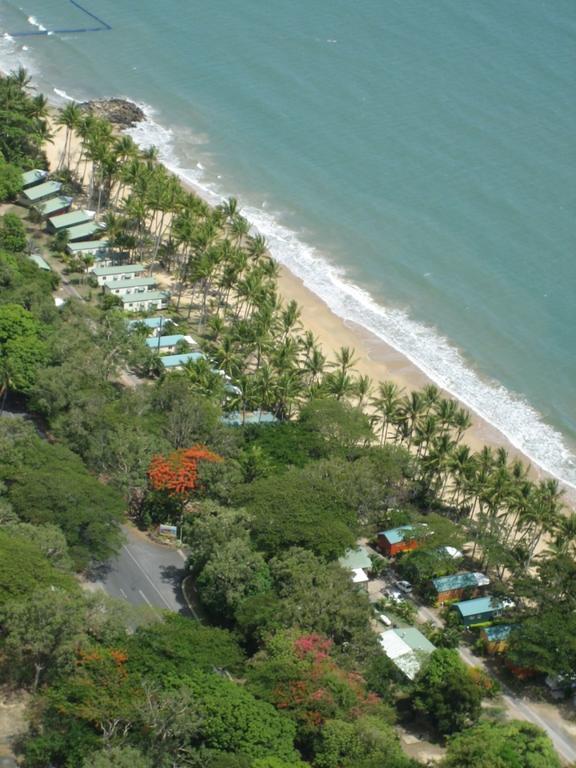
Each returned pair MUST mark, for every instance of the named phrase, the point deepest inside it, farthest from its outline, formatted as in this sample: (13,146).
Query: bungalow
(54,206)
(496,638)
(406,648)
(129,286)
(481,610)
(40,262)
(457,585)
(154,324)
(358,562)
(167,344)
(175,362)
(115,274)
(30,178)
(397,540)
(94,248)
(144,302)
(84,231)
(237,419)
(40,192)
(72,219)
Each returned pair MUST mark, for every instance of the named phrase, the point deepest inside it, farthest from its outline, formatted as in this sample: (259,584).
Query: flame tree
(177,473)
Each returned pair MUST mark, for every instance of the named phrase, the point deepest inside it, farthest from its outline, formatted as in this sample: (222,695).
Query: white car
(404,586)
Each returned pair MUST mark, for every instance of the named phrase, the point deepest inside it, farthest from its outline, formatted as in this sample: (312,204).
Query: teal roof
(135,282)
(40,262)
(129,298)
(95,246)
(459,581)
(396,535)
(33,177)
(42,190)
(118,270)
(173,361)
(151,322)
(498,632)
(83,230)
(71,219)
(55,204)
(234,419)
(157,342)
(356,558)
(478,605)
(415,639)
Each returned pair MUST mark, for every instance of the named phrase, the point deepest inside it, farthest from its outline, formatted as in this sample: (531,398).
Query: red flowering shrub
(177,473)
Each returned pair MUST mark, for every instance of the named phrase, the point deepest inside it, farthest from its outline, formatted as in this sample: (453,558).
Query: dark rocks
(116,111)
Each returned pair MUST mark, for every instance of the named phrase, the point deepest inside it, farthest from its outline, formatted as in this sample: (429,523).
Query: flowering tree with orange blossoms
(177,473)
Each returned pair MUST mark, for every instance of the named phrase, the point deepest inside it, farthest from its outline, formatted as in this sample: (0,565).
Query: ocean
(412,161)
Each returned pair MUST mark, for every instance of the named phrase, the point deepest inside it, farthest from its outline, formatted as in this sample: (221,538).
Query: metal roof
(359,576)
(40,262)
(94,246)
(33,177)
(406,647)
(42,190)
(478,605)
(71,219)
(157,342)
(151,322)
(234,419)
(356,558)
(497,632)
(55,204)
(396,535)
(117,270)
(83,230)
(135,282)
(172,361)
(460,581)
(129,298)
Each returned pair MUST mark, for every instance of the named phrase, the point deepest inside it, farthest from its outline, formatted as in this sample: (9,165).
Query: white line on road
(154,587)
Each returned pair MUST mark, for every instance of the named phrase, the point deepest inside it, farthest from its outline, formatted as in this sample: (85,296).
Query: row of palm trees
(226,282)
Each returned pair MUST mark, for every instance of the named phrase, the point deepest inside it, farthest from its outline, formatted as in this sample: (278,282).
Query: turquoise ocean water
(412,160)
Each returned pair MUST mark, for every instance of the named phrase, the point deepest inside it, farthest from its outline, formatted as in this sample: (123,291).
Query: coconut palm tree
(387,404)
(69,117)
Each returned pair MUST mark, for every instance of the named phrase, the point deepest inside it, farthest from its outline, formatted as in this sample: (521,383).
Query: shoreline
(377,358)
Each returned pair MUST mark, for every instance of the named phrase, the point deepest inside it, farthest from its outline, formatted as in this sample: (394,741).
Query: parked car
(404,586)
(393,594)
(385,620)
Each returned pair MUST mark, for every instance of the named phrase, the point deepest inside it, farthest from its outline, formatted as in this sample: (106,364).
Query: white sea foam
(510,413)
(63,95)
(35,23)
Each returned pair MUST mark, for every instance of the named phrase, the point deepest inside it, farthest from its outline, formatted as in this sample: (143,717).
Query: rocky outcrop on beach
(117,111)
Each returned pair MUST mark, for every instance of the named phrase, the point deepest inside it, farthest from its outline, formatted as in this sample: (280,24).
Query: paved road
(145,573)
(517,707)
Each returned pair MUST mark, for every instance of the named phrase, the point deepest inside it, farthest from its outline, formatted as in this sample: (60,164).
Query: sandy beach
(376,359)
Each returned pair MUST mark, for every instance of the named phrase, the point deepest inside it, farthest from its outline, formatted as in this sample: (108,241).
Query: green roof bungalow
(40,262)
(457,585)
(481,610)
(40,192)
(66,220)
(54,206)
(30,178)
(84,231)
(397,540)
(89,247)
(356,557)
(144,302)
(407,648)
(130,285)
(117,273)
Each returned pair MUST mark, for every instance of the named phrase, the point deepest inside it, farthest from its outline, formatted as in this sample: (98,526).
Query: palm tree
(256,247)
(345,360)
(363,389)
(69,117)
(387,406)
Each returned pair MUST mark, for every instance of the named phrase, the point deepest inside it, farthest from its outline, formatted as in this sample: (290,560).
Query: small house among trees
(396,540)
(458,585)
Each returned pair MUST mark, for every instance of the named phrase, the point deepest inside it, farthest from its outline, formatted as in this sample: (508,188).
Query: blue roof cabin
(235,418)
(457,585)
(481,610)
(174,362)
(496,638)
(167,344)
(396,540)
